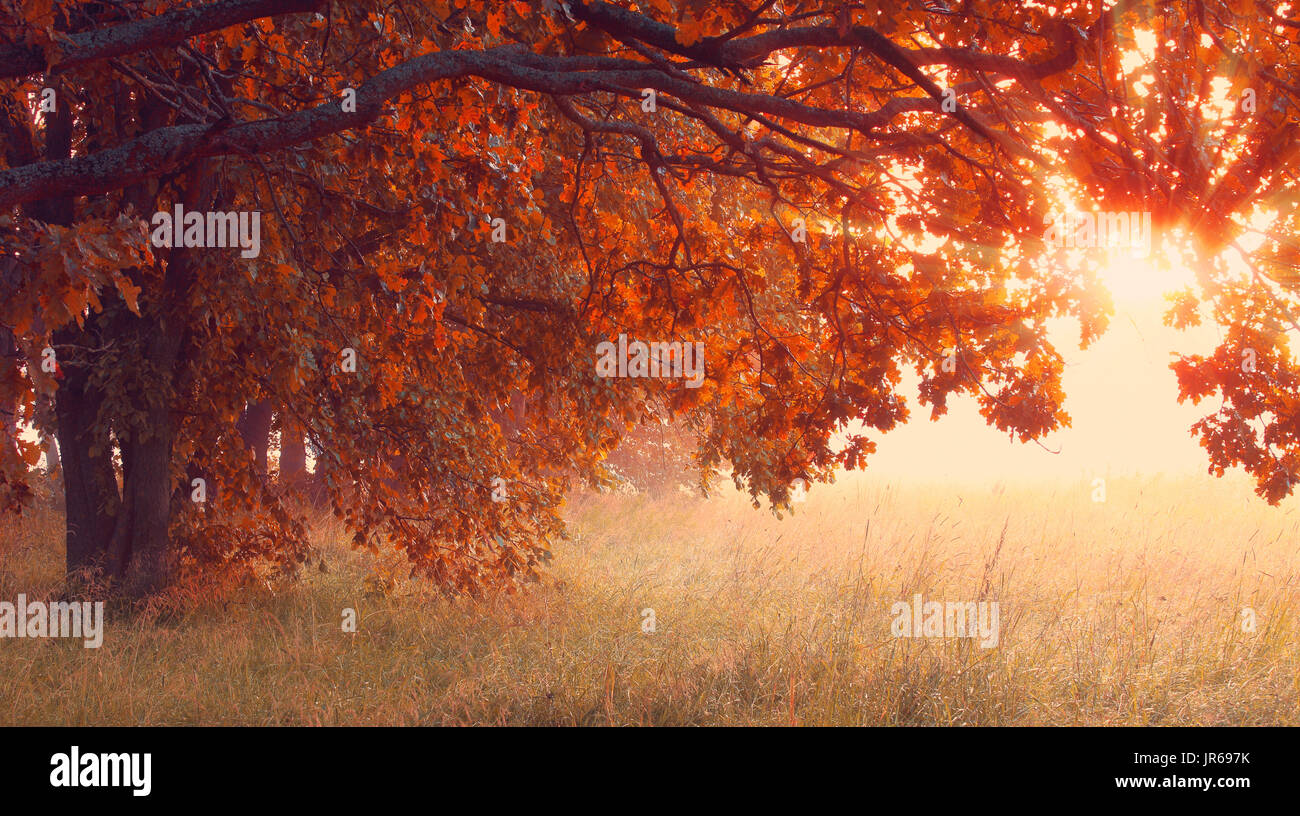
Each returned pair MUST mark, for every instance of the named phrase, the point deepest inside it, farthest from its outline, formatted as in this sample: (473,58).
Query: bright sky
(1120,394)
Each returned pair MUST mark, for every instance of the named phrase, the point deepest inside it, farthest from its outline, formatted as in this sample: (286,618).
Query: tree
(458,205)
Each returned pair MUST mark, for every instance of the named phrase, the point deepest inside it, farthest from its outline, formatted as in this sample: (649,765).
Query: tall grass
(1124,612)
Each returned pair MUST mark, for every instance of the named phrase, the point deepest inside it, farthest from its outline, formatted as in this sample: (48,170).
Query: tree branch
(141,35)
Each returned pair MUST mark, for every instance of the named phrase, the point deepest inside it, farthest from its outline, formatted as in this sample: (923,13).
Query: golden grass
(1126,612)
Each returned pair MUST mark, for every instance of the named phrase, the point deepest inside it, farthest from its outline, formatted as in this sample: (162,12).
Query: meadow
(1127,612)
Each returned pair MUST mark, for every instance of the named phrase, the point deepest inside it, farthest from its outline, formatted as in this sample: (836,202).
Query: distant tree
(658,456)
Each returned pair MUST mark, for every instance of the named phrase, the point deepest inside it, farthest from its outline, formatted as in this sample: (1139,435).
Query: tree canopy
(460,202)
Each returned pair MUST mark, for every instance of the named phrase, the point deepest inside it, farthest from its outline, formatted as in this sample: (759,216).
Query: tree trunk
(9,414)
(89,480)
(91,501)
(293,452)
(142,554)
(255,429)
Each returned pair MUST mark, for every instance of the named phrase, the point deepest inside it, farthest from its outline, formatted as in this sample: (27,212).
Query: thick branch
(140,35)
(165,149)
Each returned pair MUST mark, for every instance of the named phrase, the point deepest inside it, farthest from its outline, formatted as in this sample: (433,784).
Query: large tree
(461,201)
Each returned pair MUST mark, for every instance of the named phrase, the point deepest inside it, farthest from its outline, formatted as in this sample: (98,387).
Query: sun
(1139,276)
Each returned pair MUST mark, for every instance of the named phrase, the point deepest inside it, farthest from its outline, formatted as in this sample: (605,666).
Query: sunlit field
(1123,612)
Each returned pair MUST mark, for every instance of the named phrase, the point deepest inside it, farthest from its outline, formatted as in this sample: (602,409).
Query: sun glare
(1137,280)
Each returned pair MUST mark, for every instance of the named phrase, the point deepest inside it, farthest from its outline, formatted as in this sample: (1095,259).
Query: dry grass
(1126,612)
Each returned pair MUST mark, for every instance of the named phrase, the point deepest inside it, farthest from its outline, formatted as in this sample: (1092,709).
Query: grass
(1126,612)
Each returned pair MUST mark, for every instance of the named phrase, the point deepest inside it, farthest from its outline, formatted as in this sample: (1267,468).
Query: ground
(1123,612)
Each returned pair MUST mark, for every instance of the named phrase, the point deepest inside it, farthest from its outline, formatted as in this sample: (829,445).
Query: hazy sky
(1120,394)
